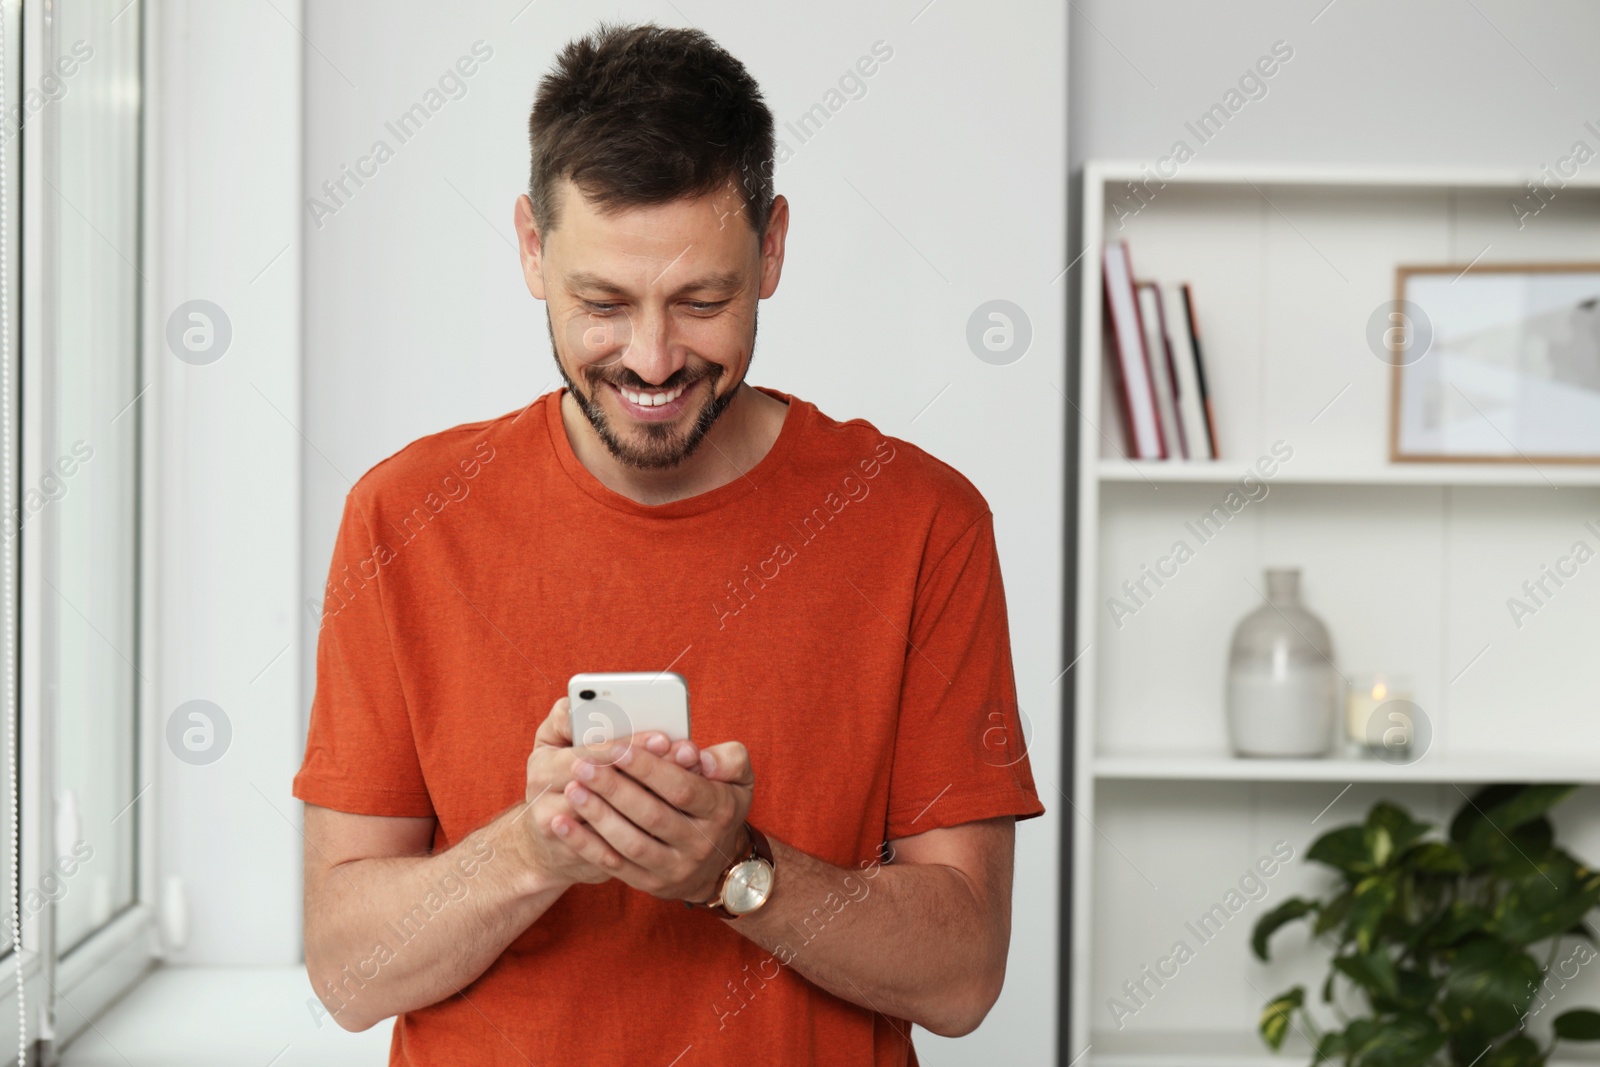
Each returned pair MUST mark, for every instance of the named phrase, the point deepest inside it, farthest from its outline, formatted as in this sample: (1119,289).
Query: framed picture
(1494,364)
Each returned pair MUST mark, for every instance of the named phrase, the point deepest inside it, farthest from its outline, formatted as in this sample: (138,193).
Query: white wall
(223,144)
(417,317)
(1427,82)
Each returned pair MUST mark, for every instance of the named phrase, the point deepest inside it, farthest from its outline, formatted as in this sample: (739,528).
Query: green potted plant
(1434,938)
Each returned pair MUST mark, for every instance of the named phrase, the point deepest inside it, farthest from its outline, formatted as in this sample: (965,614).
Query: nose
(651,354)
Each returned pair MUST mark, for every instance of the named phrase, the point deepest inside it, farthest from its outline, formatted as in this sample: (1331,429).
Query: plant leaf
(1373,971)
(1344,849)
(1403,829)
(1357,1034)
(1417,990)
(1333,913)
(1459,921)
(1483,822)
(1331,1045)
(1520,1051)
(1409,1041)
(1529,803)
(1545,901)
(1435,857)
(1379,843)
(1471,812)
(1369,903)
(1274,1022)
(1287,912)
(1468,1045)
(1513,854)
(1489,986)
(1579,1025)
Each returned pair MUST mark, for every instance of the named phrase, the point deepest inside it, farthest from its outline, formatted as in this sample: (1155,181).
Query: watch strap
(758,844)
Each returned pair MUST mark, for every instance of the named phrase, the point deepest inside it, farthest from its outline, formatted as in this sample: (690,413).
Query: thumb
(556,730)
(727,762)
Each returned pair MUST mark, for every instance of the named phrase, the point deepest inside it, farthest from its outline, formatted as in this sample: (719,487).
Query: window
(89,474)
(74,126)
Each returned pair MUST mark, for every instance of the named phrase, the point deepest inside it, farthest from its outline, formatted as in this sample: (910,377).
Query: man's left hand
(673,831)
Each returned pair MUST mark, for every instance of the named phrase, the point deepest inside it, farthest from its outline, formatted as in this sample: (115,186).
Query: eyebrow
(717,280)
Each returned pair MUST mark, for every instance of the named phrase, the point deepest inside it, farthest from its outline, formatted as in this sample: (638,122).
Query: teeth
(651,400)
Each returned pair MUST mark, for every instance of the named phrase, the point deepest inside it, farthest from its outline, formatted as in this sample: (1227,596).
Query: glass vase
(1283,689)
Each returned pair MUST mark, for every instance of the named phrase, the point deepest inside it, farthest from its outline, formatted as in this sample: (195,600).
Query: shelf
(1487,474)
(1229,1049)
(1220,767)
(1114,172)
(1199,1049)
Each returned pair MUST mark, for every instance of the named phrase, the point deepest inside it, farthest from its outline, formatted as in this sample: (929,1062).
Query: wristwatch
(747,882)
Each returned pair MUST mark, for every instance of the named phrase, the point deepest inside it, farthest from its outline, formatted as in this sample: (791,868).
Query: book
(1191,411)
(1126,345)
(1200,370)
(1154,322)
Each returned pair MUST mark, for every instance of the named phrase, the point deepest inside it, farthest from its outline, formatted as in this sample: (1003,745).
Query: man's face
(652,314)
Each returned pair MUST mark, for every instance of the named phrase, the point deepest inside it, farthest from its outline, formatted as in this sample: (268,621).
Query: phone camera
(586,694)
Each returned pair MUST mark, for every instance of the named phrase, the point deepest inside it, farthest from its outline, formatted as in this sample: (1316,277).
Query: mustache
(641,386)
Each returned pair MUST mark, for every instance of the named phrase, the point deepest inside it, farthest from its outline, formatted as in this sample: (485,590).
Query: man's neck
(736,442)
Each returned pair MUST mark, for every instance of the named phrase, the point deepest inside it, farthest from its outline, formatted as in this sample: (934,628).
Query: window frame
(65,992)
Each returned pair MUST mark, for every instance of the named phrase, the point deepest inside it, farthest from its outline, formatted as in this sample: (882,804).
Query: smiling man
(829,859)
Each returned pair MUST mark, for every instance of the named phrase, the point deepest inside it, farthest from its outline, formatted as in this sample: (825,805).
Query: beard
(651,445)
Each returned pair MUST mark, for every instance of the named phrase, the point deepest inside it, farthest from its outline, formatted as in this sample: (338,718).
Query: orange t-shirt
(838,609)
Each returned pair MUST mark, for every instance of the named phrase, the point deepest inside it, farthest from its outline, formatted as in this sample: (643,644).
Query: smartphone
(604,706)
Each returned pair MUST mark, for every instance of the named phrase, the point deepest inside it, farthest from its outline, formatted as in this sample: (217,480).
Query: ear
(530,249)
(772,246)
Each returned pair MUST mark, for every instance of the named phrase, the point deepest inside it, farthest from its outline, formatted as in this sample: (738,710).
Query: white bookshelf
(1410,565)
(1476,768)
(1221,473)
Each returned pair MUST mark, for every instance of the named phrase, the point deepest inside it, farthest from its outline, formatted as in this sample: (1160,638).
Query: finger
(587,844)
(683,752)
(620,833)
(551,802)
(607,752)
(557,726)
(686,754)
(690,793)
(651,813)
(727,762)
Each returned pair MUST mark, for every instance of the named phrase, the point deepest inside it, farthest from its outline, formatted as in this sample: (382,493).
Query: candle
(1366,726)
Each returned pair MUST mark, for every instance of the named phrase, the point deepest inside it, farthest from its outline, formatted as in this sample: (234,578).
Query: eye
(599,308)
(707,305)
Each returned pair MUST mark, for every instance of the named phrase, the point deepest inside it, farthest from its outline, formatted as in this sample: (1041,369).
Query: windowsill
(222,1017)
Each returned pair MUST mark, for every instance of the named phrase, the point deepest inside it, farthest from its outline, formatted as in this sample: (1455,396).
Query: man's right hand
(549,810)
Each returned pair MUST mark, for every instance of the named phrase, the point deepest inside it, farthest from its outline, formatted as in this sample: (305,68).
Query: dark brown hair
(647,114)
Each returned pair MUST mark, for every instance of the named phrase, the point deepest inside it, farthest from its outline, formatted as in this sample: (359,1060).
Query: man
(829,858)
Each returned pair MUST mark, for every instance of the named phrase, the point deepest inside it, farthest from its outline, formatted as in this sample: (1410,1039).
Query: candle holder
(1371,730)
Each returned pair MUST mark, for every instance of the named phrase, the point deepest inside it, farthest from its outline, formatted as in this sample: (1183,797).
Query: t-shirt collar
(794,423)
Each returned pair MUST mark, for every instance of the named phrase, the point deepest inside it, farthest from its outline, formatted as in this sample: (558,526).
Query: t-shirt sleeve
(361,756)
(960,754)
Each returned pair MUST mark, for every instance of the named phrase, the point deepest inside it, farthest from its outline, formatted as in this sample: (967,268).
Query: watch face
(748,886)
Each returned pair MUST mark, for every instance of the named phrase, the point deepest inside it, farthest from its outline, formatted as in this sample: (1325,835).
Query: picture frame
(1493,363)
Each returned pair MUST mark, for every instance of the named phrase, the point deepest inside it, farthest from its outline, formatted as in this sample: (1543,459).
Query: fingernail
(658,743)
(625,756)
(577,794)
(707,764)
(686,756)
(582,769)
(561,828)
